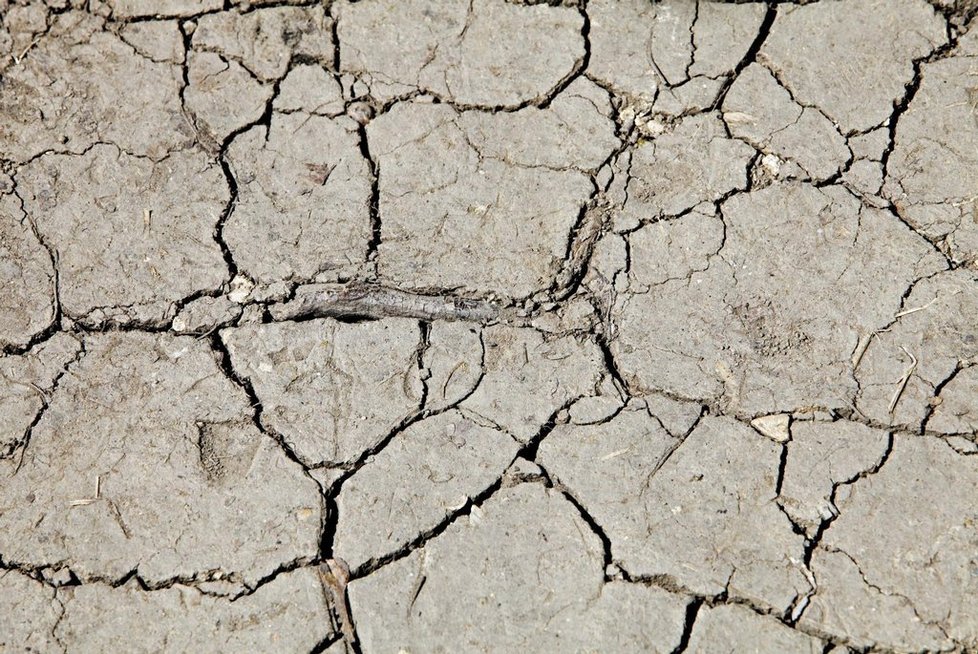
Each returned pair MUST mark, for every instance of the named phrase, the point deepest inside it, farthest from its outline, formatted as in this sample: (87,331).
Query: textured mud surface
(488,325)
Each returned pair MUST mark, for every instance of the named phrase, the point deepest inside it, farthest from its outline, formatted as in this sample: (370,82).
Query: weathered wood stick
(375,301)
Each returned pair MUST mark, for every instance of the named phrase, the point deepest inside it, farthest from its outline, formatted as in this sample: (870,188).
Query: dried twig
(30,45)
(857,354)
(915,309)
(902,384)
(85,501)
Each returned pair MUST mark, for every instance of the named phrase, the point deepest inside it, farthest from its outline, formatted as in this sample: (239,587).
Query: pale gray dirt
(489,325)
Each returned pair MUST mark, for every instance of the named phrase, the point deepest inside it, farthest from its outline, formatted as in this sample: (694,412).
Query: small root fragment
(335,575)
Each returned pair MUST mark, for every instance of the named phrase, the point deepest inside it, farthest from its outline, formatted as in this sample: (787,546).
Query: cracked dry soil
(488,325)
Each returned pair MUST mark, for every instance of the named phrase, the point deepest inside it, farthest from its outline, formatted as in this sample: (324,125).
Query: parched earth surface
(486,325)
